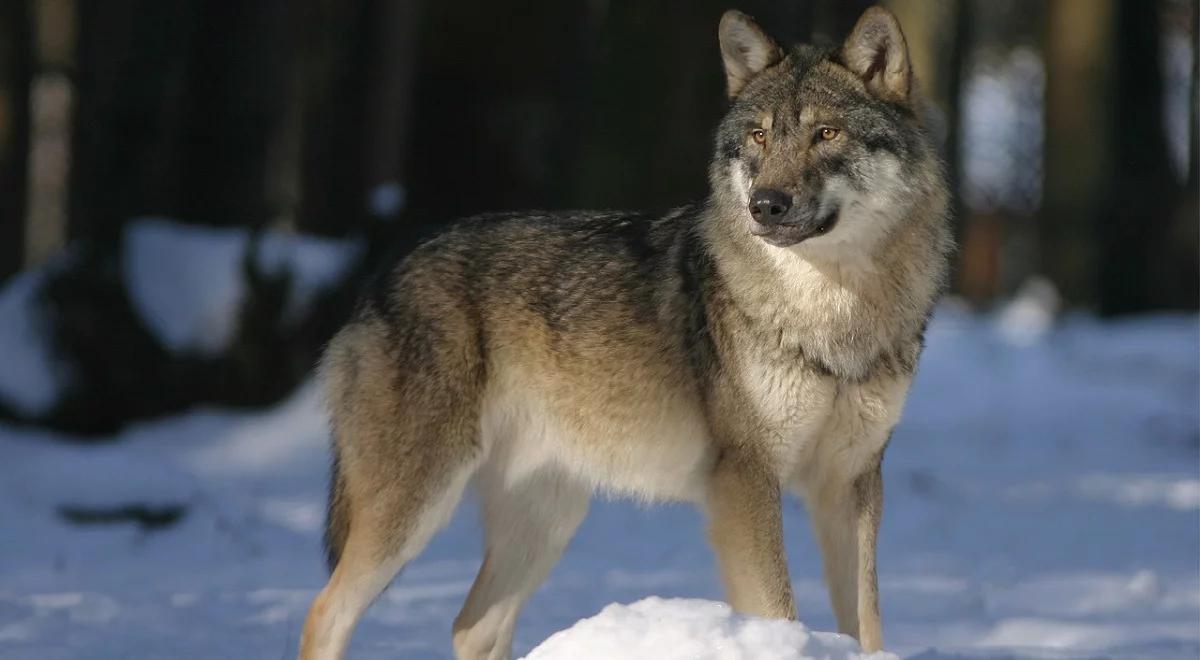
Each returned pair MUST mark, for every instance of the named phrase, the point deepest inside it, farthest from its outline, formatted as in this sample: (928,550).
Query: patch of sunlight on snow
(1054,633)
(1139,491)
(298,515)
(184,599)
(281,604)
(622,579)
(79,607)
(1092,594)
(408,593)
(1135,491)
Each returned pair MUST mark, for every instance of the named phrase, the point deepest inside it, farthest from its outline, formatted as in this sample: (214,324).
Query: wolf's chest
(813,422)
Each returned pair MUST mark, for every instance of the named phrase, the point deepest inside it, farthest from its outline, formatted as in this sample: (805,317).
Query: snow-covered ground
(1043,500)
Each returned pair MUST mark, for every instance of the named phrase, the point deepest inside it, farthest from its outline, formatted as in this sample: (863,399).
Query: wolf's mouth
(784,234)
(826,224)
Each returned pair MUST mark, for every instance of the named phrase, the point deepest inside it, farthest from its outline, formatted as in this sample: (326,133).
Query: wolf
(758,342)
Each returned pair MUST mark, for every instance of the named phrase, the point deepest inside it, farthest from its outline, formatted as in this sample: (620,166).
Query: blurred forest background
(1070,128)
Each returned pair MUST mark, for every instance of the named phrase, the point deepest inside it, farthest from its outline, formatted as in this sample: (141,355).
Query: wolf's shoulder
(582,221)
(535,243)
(568,235)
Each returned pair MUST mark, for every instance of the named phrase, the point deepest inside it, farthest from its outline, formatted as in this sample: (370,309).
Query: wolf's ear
(877,52)
(745,49)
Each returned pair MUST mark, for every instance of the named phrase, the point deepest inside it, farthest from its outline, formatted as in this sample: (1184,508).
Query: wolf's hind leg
(383,536)
(406,450)
(362,572)
(528,525)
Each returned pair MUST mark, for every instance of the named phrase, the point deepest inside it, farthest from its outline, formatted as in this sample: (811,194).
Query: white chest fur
(815,426)
(825,405)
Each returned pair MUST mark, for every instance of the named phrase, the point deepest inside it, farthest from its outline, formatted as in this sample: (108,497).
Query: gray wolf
(761,341)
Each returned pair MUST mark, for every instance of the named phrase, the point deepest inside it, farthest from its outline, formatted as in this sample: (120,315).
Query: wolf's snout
(769,206)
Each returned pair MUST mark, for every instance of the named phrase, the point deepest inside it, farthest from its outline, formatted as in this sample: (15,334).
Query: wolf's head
(822,147)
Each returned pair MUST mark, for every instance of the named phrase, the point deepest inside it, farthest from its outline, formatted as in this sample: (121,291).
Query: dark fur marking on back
(694,266)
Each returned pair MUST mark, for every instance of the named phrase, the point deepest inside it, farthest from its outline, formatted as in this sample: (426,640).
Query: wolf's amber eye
(828,133)
(759,136)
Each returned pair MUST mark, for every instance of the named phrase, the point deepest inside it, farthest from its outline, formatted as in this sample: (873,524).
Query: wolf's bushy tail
(337,517)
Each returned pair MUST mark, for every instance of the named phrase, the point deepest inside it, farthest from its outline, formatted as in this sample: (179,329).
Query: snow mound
(691,629)
(31,382)
(186,281)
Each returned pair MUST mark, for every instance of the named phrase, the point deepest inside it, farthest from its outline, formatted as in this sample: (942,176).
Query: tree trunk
(939,37)
(1078,149)
(334,48)
(16,69)
(390,69)
(1176,272)
(237,81)
(131,58)
(1193,180)
(493,107)
(1135,224)
(833,19)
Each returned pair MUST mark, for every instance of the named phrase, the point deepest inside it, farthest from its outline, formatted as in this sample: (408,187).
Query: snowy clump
(691,629)
(186,282)
(386,200)
(313,263)
(1030,315)
(31,382)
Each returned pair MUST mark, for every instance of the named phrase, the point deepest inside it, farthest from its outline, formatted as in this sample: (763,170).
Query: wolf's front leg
(846,516)
(868,497)
(746,530)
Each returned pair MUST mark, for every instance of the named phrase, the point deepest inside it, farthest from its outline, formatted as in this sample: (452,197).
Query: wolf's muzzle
(768,206)
(776,222)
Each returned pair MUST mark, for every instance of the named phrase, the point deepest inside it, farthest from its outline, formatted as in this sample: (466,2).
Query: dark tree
(835,18)
(130,79)
(1078,144)
(496,106)
(1183,264)
(390,68)
(333,44)
(236,90)
(1134,224)
(655,95)
(16,70)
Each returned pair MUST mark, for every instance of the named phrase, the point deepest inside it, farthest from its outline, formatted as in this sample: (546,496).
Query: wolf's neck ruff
(845,306)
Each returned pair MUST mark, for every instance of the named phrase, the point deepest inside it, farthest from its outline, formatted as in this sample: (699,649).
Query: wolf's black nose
(769,206)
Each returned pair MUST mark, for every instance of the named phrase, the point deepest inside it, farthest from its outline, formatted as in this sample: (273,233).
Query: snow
(313,263)
(691,629)
(1003,130)
(387,199)
(187,282)
(1031,313)
(31,382)
(1043,501)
